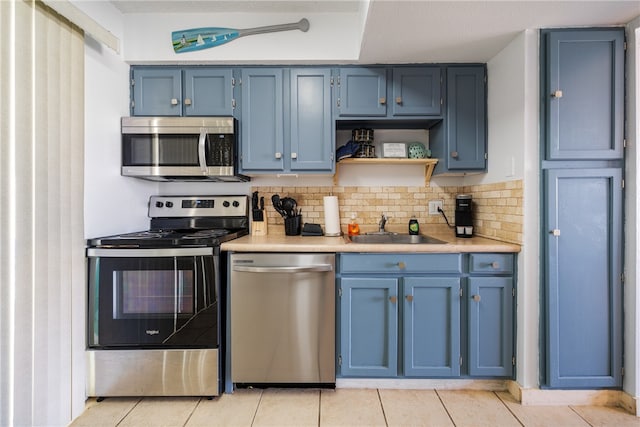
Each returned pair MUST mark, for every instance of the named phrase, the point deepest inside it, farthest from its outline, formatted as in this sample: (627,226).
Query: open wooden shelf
(429,165)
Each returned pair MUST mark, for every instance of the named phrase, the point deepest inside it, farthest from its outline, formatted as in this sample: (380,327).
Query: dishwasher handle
(284,269)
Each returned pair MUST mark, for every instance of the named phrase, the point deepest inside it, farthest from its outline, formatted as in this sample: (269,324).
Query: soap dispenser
(353,229)
(414,226)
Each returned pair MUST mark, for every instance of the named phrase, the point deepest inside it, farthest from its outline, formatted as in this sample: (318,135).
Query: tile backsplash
(498,207)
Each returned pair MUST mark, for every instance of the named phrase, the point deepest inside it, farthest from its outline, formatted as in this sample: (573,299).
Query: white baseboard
(538,397)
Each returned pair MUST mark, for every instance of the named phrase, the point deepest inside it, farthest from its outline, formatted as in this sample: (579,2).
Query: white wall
(332,37)
(631,382)
(506,108)
(512,104)
(113,204)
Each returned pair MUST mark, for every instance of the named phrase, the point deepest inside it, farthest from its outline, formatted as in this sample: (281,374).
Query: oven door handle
(202,158)
(140,253)
(284,269)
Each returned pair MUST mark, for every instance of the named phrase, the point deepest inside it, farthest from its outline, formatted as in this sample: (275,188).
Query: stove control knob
(236,203)
(225,203)
(169,204)
(159,204)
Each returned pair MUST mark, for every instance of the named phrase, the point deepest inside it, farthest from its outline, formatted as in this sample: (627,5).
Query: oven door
(153,298)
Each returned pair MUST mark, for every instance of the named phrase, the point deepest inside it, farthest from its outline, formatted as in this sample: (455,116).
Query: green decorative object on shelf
(416,150)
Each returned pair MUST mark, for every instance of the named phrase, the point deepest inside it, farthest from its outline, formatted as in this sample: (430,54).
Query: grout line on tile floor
(445,407)
(578,414)
(384,414)
(320,407)
(192,412)
(129,411)
(508,408)
(255,412)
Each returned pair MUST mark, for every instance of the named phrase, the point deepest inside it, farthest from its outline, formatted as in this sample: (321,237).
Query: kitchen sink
(393,238)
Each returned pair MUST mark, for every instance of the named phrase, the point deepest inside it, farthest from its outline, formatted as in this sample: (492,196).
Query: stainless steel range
(154,307)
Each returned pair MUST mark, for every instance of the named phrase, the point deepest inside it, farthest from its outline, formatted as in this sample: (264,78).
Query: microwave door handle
(202,159)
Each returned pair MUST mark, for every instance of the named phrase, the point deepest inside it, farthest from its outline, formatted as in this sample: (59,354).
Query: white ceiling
(397,31)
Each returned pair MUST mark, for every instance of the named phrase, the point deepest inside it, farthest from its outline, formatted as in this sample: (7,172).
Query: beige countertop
(282,243)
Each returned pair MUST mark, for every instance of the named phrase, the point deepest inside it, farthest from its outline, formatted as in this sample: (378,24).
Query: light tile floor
(346,407)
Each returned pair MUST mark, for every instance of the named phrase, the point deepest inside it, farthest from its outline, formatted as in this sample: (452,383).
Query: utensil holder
(292,225)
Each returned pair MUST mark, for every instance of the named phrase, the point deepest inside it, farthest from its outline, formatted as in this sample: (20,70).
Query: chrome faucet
(382,223)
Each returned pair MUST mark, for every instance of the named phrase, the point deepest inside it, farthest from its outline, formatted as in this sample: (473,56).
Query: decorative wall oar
(204,38)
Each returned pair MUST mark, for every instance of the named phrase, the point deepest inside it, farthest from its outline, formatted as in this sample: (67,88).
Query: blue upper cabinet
(369,327)
(171,91)
(312,139)
(262,124)
(416,91)
(208,92)
(388,92)
(432,326)
(362,92)
(584,96)
(286,123)
(467,117)
(460,141)
(156,91)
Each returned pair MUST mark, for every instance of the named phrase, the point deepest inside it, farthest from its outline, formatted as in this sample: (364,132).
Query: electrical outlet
(434,205)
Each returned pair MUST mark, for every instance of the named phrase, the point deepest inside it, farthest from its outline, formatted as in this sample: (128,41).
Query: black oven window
(153,302)
(154,292)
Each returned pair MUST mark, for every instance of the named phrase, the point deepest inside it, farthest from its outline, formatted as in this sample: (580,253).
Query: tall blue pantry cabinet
(582,116)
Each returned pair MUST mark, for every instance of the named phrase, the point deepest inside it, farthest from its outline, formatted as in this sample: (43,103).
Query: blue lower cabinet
(407,315)
(490,327)
(431,326)
(369,325)
(584,292)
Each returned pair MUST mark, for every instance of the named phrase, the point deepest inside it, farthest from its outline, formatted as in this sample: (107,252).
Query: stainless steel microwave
(180,148)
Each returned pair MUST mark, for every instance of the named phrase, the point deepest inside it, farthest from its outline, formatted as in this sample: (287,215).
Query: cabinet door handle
(393,299)
(398,100)
(555,232)
(410,298)
(454,154)
(495,265)
(278,155)
(476,298)
(401,265)
(187,101)
(294,155)
(382,101)
(557,94)
(174,101)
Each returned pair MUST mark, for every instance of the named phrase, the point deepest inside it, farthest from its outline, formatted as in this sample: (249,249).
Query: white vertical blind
(41,211)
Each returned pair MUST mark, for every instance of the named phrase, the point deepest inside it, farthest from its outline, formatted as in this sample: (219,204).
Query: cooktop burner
(186,221)
(168,238)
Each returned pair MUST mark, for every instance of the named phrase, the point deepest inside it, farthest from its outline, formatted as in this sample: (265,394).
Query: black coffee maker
(464,216)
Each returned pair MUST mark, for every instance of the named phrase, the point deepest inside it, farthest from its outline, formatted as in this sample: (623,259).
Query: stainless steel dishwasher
(282,318)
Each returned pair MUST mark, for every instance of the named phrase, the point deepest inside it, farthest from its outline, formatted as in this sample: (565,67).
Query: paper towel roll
(331,216)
